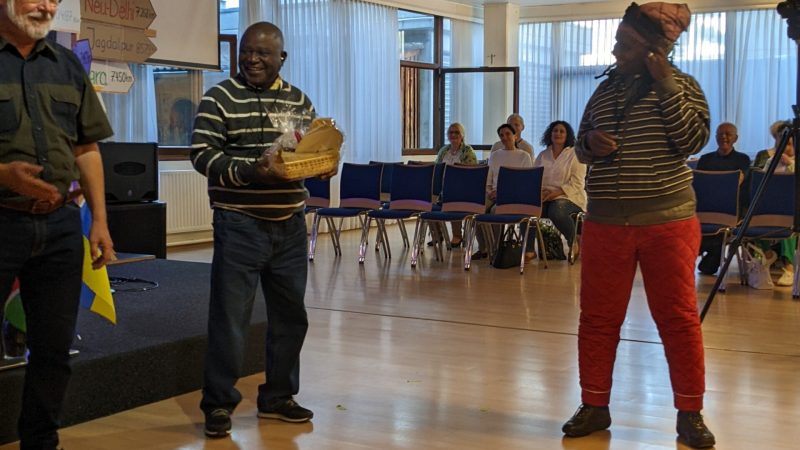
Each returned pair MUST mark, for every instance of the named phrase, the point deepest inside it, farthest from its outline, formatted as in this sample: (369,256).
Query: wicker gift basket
(316,154)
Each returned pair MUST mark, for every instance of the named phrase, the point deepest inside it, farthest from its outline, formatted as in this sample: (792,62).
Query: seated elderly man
(518,123)
(725,158)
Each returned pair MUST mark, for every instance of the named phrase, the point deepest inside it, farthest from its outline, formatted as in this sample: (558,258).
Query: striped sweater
(646,181)
(234,124)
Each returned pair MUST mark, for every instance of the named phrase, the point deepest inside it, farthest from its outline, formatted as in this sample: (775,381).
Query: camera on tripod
(790,10)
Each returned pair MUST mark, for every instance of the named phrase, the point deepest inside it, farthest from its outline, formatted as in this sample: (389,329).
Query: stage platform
(155,351)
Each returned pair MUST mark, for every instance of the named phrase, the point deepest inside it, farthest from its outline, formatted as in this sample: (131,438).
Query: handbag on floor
(757,268)
(509,252)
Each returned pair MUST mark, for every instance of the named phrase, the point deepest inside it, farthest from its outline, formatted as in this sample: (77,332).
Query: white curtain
(537,70)
(133,115)
(700,52)
(343,55)
(251,11)
(463,47)
(743,60)
(765,80)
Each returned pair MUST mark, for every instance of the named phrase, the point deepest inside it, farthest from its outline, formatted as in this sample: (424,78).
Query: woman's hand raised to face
(657,64)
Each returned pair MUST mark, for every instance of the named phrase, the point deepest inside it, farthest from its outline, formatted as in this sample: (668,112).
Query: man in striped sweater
(636,133)
(259,230)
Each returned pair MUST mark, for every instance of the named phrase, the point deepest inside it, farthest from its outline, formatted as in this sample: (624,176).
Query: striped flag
(96,289)
(13,312)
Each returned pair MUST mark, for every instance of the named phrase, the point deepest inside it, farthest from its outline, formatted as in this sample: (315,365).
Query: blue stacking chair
(717,196)
(410,195)
(773,216)
(387,170)
(319,196)
(438,176)
(359,192)
(519,201)
(463,196)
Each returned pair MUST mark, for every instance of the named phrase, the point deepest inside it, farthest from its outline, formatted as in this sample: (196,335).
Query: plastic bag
(757,268)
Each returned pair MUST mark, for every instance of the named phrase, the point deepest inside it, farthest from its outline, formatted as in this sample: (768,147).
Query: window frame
(181,153)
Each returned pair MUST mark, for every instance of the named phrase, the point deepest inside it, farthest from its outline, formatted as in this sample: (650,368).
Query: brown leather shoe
(586,420)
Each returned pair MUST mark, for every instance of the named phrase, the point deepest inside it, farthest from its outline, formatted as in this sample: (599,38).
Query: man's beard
(30,23)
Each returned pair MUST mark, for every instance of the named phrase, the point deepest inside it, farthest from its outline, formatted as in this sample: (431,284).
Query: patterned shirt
(464,155)
(235,123)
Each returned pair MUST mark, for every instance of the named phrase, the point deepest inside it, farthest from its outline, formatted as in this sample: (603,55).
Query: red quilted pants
(666,254)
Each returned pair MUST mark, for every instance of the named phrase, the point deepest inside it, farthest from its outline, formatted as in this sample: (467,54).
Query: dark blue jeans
(246,249)
(561,212)
(46,253)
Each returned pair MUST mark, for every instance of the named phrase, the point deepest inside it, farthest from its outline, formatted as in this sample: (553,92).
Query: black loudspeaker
(131,171)
(139,227)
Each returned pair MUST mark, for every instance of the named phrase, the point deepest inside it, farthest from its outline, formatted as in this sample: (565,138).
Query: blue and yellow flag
(96,289)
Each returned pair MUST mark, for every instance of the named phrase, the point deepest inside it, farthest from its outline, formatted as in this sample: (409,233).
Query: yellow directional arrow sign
(130,13)
(117,43)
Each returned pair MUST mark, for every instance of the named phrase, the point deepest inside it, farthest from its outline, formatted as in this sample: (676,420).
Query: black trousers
(711,250)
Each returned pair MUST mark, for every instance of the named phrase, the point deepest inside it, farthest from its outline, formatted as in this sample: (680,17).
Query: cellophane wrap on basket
(313,154)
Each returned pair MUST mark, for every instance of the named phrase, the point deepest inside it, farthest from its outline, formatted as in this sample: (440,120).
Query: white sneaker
(786,279)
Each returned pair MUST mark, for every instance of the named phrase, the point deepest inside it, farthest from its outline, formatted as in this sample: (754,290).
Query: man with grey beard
(50,122)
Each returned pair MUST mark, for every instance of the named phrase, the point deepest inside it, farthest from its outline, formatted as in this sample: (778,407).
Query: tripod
(789,10)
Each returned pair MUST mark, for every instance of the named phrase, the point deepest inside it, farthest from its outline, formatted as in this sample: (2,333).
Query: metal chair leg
(387,248)
(312,243)
(334,233)
(401,224)
(524,247)
(362,246)
(469,235)
(572,256)
(541,241)
(419,236)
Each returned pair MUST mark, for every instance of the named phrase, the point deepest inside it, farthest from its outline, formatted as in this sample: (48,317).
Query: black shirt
(718,163)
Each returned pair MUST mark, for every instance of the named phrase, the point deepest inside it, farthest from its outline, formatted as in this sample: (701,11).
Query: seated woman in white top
(563,193)
(508,156)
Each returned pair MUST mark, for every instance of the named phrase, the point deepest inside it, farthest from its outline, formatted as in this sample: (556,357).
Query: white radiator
(186,195)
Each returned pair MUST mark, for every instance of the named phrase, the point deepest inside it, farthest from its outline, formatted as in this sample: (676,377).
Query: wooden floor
(440,358)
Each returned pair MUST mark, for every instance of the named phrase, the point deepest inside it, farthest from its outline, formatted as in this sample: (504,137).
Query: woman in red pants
(636,133)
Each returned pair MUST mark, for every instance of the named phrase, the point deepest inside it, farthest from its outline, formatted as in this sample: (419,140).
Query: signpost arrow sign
(68,17)
(117,43)
(130,13)
(111,77)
